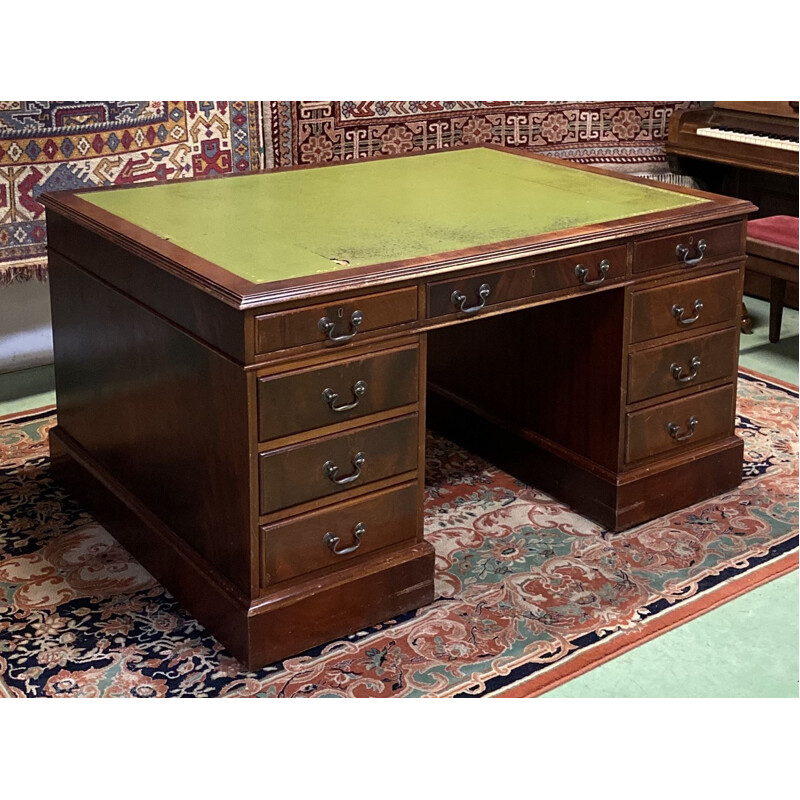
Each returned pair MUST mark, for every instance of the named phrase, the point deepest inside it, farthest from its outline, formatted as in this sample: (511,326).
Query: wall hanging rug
(627,136)
(51,145)
(528,593)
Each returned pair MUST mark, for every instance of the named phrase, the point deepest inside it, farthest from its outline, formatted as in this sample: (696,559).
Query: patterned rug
(528,593)
(626,135)
(50,145)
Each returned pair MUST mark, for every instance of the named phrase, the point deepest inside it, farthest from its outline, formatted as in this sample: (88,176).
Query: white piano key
(750,138)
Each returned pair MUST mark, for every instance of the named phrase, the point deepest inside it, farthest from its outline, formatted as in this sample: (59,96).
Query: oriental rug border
(601,651)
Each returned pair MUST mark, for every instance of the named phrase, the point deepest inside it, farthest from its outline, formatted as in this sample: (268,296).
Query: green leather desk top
(274,226)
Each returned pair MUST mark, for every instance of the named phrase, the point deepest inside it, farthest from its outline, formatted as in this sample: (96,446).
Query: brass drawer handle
(582,273)
(458,299)
(330,397)
(677,371)
(682,251)
(677,312)
(332,541)
(332,471)
(682,437)
(327,326)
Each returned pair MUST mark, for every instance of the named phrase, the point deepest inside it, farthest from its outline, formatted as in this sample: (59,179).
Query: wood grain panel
(191,308)
(555,370)
(651,372)
(530,278)
(722,241)
(166,416)
(652,314)
(296,474)
(197,585)
(294,402)
(300,326)
(299,615)
(297,547)
(648,430)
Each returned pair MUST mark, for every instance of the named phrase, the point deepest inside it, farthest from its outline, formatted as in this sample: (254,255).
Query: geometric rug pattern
(524,586)
(626,135)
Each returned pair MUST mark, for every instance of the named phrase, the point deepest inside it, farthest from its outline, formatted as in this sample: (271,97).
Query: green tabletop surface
(275,226)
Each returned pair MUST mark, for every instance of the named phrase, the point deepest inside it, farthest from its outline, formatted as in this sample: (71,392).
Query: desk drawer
(682,365)
(334,464)
(515,283)
(688,249)
(335,324)
(685,306)
(680,424)
(338,534)
(317,397)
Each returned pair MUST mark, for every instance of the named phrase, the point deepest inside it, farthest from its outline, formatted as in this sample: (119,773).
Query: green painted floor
(26,389)
(757,352)
(746,648)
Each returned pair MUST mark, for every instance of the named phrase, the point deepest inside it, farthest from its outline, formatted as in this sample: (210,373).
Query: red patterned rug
(528,593)
(627,135)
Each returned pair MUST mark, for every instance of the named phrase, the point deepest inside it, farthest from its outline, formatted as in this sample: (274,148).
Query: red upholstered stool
(772,251)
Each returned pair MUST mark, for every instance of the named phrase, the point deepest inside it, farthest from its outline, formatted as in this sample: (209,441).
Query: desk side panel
(154,407)
(189,307)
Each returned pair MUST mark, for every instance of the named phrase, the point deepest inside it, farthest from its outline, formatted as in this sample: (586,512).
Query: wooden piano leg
(747,323)
(776,294)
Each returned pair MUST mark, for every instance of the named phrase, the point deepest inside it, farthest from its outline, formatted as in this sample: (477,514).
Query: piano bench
(772,251)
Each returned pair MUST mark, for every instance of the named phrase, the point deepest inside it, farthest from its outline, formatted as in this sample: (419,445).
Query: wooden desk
(242,366)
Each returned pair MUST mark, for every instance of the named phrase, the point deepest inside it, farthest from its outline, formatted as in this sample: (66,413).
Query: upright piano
(742,149)
(747,150)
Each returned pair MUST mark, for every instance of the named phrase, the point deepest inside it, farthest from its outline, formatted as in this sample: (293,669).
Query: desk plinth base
(293,617)
(617,502)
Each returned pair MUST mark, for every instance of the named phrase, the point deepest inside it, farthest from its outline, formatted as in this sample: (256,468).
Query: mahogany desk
(242,365)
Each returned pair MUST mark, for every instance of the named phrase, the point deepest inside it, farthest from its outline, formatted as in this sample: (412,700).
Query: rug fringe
(21,273)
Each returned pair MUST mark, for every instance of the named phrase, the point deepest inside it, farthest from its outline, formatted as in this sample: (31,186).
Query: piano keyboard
(750,138)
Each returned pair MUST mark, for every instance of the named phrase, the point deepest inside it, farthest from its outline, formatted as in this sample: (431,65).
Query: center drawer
(346,390)
(333,464)
(338,534)
(470,294)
